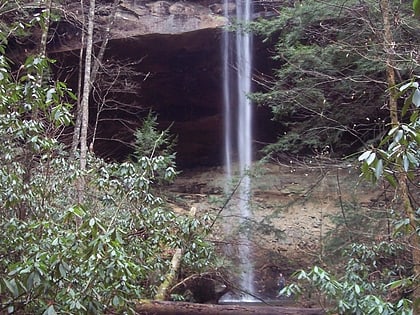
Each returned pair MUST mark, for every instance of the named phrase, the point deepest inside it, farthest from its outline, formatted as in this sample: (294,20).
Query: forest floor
(295,208)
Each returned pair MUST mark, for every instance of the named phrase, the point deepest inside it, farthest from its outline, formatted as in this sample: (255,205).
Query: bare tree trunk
(390,63)
(85,98)
(78,123)
(100,57)
(45,26)
(95,68)
(414,239)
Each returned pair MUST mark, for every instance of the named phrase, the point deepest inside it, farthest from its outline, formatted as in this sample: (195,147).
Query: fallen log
(183,308)
(162,292)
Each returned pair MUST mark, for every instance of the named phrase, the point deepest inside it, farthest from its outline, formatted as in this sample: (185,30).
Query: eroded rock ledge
(165,17)
(176,46)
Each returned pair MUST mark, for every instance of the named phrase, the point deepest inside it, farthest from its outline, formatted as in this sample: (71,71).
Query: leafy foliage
(366,286)
(397,159)
(401,145)
(328,88)
(332,60)
(30,115)
(357,224)
(416,7)
(80,263)
(61,257)
(78,270)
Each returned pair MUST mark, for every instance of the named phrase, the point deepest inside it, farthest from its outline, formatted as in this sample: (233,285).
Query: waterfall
(237,64)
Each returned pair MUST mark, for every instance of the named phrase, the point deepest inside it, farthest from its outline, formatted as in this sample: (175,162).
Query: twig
(226,203)
(340,199)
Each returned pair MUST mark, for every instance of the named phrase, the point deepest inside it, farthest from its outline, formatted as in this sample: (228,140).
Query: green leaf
(115,301)
(416,97)
(416,7)
(365,155)
(398,136)
(379,169)
(30,281)
(63,270)
(77,210)
(395,284)
(407,85)
(49,94)
(12,287)
(406,106)
(50,311)
(393,130)
(413,160)
(371,158)
(406,163)
(404,223)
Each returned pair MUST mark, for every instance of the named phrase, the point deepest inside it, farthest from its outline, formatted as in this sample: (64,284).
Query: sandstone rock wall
(164,17)
(175,49)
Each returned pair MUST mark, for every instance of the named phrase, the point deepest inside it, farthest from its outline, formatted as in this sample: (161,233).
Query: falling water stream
(237,63)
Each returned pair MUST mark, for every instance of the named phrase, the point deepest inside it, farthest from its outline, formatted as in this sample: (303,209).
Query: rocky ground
(293,204)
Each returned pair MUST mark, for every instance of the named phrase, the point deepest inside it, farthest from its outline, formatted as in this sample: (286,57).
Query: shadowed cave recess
(178,77)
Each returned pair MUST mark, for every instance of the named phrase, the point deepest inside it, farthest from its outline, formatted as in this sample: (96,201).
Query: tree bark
(162,293)
(99,59)
(78,123)
(45,24)
(182,308)
(390,63)
(85,98)
(163,290)
(403,192)
(101,53)
(96,65)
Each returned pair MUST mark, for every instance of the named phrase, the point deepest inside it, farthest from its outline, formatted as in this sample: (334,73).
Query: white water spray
(237,64)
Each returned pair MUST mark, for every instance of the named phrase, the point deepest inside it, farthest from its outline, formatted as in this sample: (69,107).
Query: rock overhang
(177,48)
(164,17)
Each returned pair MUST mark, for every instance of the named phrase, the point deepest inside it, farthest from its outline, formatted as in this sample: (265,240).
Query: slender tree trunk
(95,68)
(78,123)
(101,53)
(414,239)
(45,25)
(99,60)
(85,98)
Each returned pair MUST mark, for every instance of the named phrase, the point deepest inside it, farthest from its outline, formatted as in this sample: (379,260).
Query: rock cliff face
(164,56)
(164,17)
